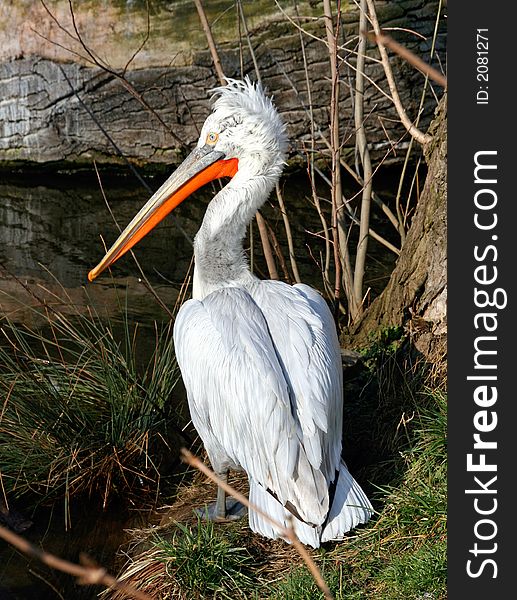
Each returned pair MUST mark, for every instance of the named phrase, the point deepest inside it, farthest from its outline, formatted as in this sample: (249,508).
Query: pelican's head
(246,126)
(244,134)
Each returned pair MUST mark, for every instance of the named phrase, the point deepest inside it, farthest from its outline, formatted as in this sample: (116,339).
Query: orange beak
(201,166)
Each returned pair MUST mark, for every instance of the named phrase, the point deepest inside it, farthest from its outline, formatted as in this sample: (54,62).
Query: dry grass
(80,415)
(145,568)
(400,554)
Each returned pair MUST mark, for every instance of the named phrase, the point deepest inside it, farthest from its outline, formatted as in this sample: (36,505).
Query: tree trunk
(416,294)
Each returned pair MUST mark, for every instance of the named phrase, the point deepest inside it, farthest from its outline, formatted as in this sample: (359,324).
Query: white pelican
(260,359)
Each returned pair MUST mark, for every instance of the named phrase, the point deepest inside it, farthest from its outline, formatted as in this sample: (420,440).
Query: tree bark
(416,294)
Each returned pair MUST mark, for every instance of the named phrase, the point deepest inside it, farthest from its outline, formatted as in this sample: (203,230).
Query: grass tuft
(80,411)
(202,561)
(419,575)
(192,561)
(399,555)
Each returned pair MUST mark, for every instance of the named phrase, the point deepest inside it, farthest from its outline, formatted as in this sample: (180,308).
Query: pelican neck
(220,260)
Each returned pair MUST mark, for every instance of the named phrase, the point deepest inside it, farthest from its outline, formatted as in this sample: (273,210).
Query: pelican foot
(235,510)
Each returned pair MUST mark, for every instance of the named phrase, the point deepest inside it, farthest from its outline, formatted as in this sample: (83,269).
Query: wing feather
(264,388)
(303,332)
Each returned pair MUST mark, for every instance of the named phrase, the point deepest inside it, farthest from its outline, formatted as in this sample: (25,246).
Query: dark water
(95,532)
(50,237)
(50,230)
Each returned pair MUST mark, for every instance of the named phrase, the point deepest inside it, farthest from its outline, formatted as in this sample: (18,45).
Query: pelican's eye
(212,138)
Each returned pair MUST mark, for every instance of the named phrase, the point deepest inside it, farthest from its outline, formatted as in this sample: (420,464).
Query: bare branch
(278,252)
(403,214)
(316,129)
(301,29)
(342,257)
(310,157)
(421,137)
(144,41)
(92,58)
(410,57)
(248,38)
(371,232)
(268,253)
(364,156)
(288,234)
(262,229)
(211,43)
(56,21)
(118,151)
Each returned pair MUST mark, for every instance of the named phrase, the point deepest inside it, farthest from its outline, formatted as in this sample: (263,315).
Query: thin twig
(407,55)
(325,269)
(384,207)
(273,273)
(371,232)
(278,252)
(293,22)
(339,58)
(92,58)
(211,43)
(285,217)
(310,161)
(288,233)
(118,151)
(402,215)
(248,39)
(144,41)
(364,157)
(268,253)
(120,76)
(263,230)
(315,128)
(421,137)
(340,236)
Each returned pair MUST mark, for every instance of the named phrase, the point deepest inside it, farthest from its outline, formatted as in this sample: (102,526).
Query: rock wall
(55,104)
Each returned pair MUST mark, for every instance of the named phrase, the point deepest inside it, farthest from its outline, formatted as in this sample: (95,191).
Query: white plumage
(260,359)
(262,368)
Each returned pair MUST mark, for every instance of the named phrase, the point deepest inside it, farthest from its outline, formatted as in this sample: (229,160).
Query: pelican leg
(220,503)
(223,509)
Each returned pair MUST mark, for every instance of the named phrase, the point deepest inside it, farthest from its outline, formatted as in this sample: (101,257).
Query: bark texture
(416,294)
(46,91)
